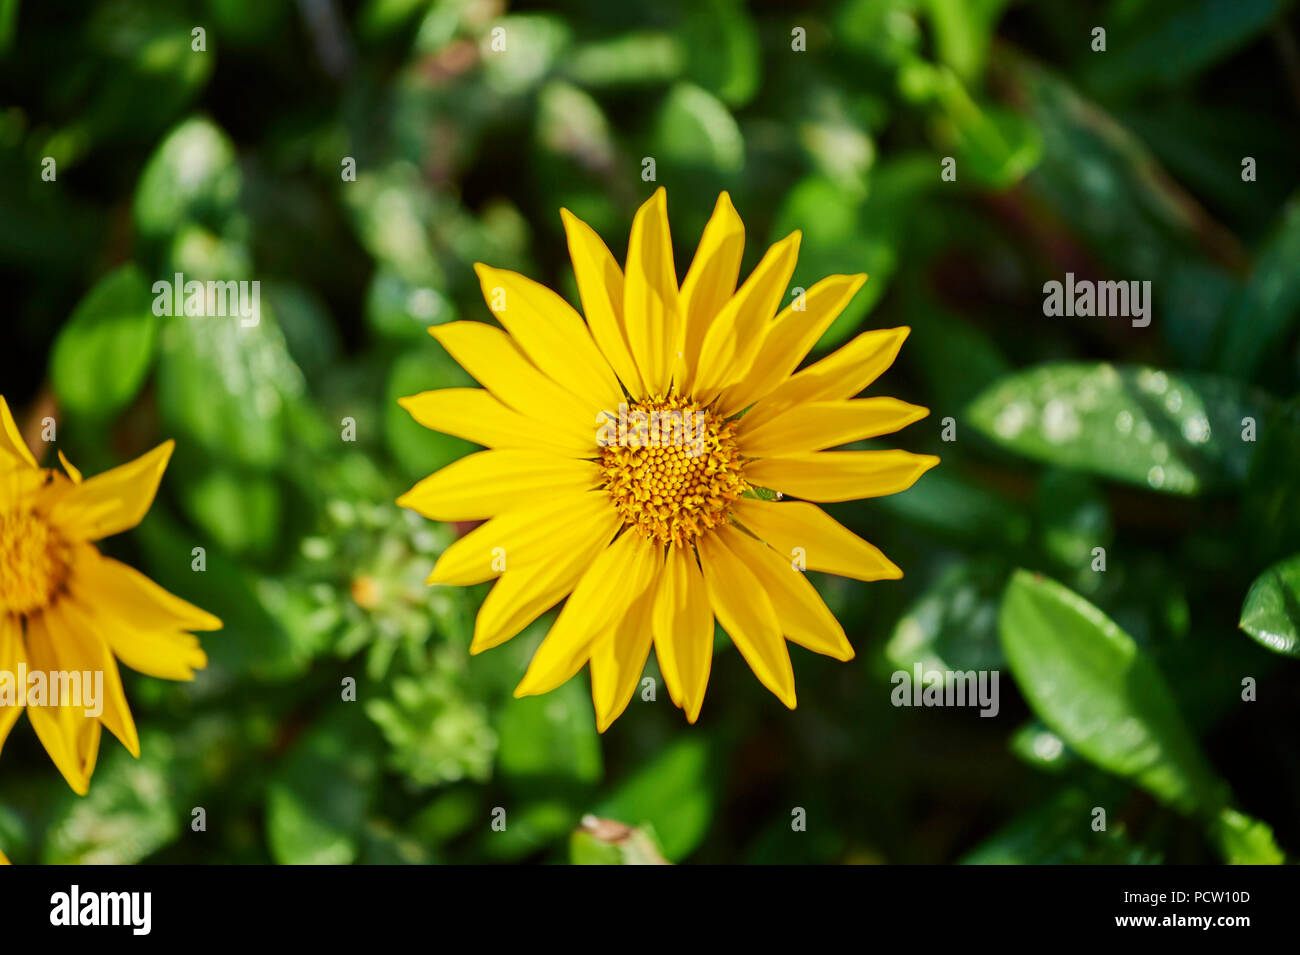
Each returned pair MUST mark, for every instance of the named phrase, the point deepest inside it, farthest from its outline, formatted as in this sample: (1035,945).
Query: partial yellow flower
(66,608)
(637,461)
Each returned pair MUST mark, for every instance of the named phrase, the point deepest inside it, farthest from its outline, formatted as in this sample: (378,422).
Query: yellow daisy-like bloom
(65,608)
(629,455)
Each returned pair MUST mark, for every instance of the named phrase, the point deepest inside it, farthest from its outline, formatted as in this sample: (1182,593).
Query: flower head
(638,461)
(67,613)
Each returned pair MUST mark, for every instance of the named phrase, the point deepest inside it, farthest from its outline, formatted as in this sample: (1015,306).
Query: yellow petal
(12,653)
(13,450)
(73,473)
(803,615)
(683,630)
(551,334)
(615,579)
(473,414)
(521,596)
(68,735)
(793,335)
(600,286)
(650,299)
(115,588)
(618,660)
(114,501)
(746,613)
(826,424)
(143,624)
(519,538)
(488,353)
(77,628)
(840,475)
(710,281)
(806,533)
(736,335)
(841,374)
(489,482)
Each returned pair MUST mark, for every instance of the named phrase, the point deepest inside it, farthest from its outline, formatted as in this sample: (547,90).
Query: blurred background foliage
(1121,689)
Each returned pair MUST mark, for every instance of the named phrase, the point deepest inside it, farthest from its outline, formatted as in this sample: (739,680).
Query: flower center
(671,468)
(33,562)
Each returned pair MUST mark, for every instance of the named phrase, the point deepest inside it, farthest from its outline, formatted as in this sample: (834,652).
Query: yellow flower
(65,608)
(629,455)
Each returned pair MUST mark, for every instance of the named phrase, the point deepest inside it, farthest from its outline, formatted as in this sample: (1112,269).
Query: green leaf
(316,805)
(1088,681)
(239,510)
(963,29)
(998,146)
(1058,833)
(403,311)
(534,44)
(1171,432)
(1168,43)
(1267,307)
(694,129)
(549,740)
(418,450)
(638,57)
(1245,841)
(953,624)
(672,792)
(722,49)
(191,178)
(104,352)
(1271,611)
(228,386)
(1041,748)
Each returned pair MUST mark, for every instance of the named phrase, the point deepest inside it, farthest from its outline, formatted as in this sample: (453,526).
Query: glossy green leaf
(1271,611)
(1088,681)
(1171,432)
(227,386)
(953,625)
